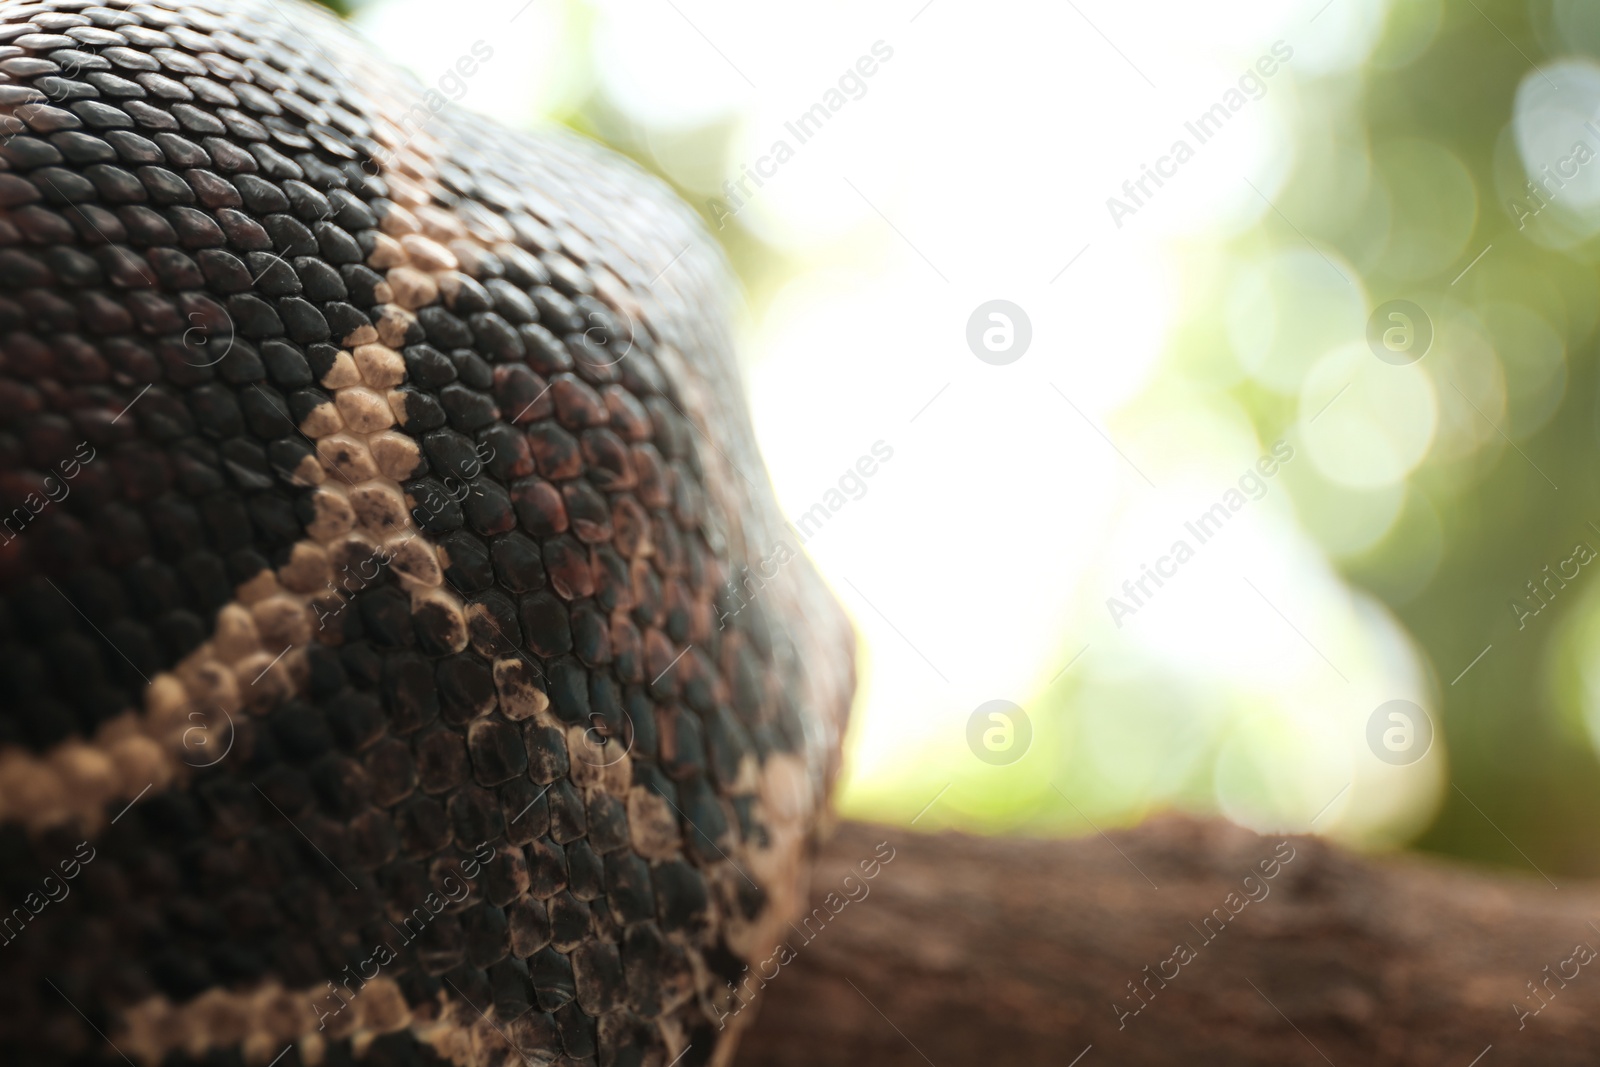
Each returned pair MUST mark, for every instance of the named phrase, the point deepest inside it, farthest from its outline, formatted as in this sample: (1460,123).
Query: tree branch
(968,950)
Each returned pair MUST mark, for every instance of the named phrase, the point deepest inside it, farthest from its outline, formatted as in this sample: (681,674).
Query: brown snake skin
(383,677)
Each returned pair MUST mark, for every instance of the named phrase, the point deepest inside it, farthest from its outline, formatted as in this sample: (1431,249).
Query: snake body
(383,676)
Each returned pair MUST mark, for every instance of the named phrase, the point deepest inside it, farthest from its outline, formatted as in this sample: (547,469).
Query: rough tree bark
(982,951)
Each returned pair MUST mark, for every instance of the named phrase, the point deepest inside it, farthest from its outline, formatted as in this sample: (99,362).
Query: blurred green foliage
(1406,170)
(1476,527)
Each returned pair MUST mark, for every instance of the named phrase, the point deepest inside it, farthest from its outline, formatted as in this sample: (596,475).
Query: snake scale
(382,674)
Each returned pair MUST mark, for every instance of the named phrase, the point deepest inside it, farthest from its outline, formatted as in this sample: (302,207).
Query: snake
(392,665)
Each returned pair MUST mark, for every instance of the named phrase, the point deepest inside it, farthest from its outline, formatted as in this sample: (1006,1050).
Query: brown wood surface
(965,950)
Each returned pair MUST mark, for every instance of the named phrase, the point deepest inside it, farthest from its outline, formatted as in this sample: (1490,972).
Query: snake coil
(382,677)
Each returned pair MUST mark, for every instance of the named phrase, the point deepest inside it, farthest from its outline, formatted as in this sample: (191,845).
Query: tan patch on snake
(262,1021)
(255,657)
(265,1020)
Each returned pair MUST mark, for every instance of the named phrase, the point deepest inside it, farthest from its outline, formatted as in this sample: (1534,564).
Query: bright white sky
(977,166)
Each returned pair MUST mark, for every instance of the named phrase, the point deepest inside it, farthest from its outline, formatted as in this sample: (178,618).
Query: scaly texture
(393,661)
